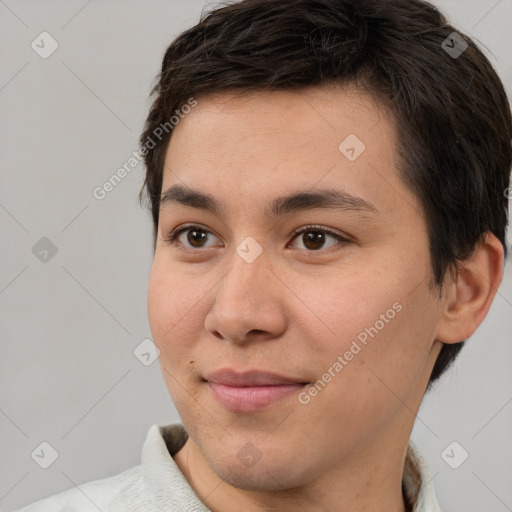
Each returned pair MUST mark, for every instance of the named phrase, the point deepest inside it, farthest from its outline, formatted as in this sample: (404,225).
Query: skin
(294,310)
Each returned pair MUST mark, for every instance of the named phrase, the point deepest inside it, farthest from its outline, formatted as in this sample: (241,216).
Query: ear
(469,295)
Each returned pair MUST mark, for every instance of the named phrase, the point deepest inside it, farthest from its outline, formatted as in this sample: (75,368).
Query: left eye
(314,239)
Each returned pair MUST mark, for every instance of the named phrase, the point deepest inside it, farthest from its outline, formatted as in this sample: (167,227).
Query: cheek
(175,314)
(176,309)
(395,346)
(343,305)
(382,324)
(363,386)
(161,308)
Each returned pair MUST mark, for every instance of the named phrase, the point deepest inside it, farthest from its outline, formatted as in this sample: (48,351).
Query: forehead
(271,143)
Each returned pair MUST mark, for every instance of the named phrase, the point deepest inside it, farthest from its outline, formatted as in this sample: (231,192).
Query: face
(291,304)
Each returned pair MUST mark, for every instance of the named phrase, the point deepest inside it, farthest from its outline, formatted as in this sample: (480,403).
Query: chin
(266,477)
(270,470)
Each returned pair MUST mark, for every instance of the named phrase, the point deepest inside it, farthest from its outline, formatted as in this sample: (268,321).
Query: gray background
(69,326)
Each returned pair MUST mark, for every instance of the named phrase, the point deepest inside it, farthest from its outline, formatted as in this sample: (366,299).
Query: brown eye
(196,237)
(313,240)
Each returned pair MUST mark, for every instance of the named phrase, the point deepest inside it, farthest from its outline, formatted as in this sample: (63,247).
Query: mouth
(252,390)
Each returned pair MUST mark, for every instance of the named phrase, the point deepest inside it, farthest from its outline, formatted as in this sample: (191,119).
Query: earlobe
(470,294)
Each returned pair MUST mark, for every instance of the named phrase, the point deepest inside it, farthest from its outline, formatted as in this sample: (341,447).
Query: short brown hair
(452,112)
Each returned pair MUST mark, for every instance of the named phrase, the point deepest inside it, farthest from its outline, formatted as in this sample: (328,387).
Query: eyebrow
(300,201)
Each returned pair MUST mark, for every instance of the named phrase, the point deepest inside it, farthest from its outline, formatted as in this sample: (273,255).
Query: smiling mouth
(251,391)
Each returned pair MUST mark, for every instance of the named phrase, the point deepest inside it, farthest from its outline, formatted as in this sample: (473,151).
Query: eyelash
(172,237)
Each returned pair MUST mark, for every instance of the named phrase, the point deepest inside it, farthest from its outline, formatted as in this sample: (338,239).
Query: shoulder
(92,496)
(155,482)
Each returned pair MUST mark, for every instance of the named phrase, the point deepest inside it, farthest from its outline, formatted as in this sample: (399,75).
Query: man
(327,183)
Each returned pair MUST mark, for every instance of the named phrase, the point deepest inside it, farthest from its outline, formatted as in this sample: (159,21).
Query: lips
(251,390)
(250,378)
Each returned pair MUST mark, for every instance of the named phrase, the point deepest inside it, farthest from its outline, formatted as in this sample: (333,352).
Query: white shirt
(157,484)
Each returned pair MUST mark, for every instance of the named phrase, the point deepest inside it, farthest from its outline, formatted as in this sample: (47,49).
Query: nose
(248,303)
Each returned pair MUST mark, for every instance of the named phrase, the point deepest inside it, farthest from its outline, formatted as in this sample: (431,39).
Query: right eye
(189,236)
